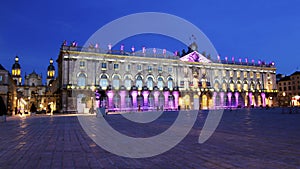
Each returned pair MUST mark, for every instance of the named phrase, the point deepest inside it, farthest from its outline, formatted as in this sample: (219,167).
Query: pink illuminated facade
(134,81)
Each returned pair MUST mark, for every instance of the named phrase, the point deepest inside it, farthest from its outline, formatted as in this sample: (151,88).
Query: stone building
(139,81)
(7,89)
(289,90)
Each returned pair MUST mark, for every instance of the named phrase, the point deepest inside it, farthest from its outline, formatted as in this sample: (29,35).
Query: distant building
(7,89)
(33,91)
(289,90)
(133,81)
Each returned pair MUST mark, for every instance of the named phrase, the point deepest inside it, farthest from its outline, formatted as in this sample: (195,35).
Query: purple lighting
(164,52)
(122,47)
(134,98)
(240,60)
(109,46)
(132,49)
(226,58)
(232,58)
(176,97)
(144,50)
(246,60)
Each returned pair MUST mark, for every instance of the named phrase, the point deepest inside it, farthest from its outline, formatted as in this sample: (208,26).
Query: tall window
(128,67)
(170,69)
(139,82)
(103,81)
(116,82)
(139,67)
(231,85)
(81,80)
(160,83)
(149,68)
(170,83)
(245,74)
(238,74)
(245,87)
(127,82)
(239,86)
(150,83)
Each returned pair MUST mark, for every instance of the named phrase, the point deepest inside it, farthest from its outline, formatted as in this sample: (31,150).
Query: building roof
(2,68)
(285,78)
(295,73)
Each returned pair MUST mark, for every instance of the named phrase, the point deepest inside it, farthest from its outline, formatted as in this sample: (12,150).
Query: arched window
(127,82)
(245,87)
(216,86)
(170,83)
(139,82)
(116,82)
(81,80)
(150,83)
(231,85)
(252,86)
(160,83)
(239,86)
(103,81)
(258,86)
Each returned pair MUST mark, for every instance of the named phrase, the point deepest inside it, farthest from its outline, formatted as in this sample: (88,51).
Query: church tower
(50,72)
(16,72)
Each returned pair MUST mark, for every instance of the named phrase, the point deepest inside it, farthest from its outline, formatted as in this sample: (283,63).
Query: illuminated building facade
(289,90)
(32,91)
(128,81)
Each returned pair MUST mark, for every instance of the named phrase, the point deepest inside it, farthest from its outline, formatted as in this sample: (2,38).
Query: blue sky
(259,29)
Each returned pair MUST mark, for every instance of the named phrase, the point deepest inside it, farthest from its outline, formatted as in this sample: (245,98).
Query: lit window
(231,73)
(245,74)
(238,74)
(104,81)
(149,68)
(103,66)
(150,83)
(170,83)
(116,82)
(127,82)
(82,64)
(139,82)
(116,66)
(257,75)
(251,75)
(81,80)
(160,83)
(224,73)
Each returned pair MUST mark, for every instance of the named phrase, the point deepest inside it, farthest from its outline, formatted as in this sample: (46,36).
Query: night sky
(259,29)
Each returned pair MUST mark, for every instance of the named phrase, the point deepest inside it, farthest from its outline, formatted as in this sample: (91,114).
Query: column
(110,95)
(176,99)
(214,99)
(156,94)
(145,95)
(236,99)
(123,102)
(229,95)
(134,94)
(222,99)
(166,94)
(263,97)
(250,99)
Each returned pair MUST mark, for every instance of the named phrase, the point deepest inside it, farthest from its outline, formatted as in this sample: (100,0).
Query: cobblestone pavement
(244,139)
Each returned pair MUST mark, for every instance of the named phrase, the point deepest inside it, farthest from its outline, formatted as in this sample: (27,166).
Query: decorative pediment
(195,57)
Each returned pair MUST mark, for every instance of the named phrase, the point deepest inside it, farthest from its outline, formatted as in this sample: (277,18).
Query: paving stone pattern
(245,138)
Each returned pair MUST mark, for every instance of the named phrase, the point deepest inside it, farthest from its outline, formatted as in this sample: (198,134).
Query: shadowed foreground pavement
(244,139)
